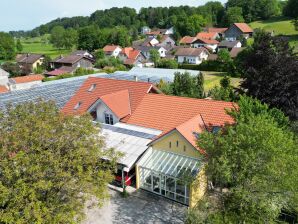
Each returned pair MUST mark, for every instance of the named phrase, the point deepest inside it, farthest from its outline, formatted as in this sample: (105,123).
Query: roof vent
(92,88)
(77,106)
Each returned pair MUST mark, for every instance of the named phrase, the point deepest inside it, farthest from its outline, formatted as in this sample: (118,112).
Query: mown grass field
(212,79)
(279,25)
(41,45)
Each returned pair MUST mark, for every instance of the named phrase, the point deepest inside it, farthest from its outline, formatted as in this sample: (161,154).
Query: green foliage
(253,168)
(12,68)
(19,46)
(99,54)
(154,56)
(108,62)
(253,10)
(50,165)
(7,47)
(224,56)
(225,92)
(78,72)
(167,63)
(186,85)
(233,15)
(62,38)
(265,75)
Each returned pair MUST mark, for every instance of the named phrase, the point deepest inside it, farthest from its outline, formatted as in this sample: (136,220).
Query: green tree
(233,15)
(57,37)
(200,85)
(89,38)
(19,46)
(7,46)
(154,56)
(291,10)
(70,38)
(99,54)
(224,91)
(252,167)
(50,165)
(167,63)
(270,69)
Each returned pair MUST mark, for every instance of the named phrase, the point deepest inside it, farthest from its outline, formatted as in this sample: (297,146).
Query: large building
(157,133)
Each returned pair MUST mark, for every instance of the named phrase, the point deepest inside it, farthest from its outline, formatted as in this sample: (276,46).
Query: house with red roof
(112,50)
(208,35)
(157,133)
(192,55)
(210,44)
(238,30)
(132,57)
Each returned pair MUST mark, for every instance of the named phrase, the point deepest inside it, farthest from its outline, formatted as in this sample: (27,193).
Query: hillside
(279,25)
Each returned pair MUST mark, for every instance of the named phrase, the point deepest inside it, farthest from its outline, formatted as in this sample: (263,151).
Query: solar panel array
(59,91)
(128,132)
(153,75)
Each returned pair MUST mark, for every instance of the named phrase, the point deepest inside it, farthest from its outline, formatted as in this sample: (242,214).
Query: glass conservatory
(168,174)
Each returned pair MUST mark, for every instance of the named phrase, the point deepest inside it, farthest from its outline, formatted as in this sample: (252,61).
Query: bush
(108,62)
(167,63)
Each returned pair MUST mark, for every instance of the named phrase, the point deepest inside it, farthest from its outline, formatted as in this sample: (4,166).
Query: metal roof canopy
(130,140)
(170,164)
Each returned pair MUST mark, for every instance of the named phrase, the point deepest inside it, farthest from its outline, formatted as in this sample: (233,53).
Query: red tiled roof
(110,48)
(137,90)
(244,27)
(216,30)
(3,89)
(187,40)
(27,78)
(118,102)
(165,113)
(207,41)
(205,35)
(56,72)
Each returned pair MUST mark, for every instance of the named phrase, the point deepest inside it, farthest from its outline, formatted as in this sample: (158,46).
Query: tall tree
(270,69)
(291,10)
(19,46)
(200,85)
(50,165)
(57,35)
(7,46)
(252,167)
(233,15)
(154,56)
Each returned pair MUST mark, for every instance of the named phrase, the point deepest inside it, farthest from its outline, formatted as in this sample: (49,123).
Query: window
(177,143)
(92,87)
(184,148)
(170,144)
(109,119)
(77,106)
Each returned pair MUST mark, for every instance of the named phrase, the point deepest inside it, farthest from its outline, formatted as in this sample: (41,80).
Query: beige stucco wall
(38,62)
(198,188)
(163,144)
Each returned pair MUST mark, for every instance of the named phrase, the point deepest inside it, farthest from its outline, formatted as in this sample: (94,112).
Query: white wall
(26,85)
(190,60)
(3,80)
(116,52)
(101,110)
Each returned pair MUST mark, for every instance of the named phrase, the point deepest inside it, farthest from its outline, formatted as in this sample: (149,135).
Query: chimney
(148,79)
(135,78)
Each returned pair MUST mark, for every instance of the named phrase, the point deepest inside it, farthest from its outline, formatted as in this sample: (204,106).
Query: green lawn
(279,25)
(40,45)
(212,79)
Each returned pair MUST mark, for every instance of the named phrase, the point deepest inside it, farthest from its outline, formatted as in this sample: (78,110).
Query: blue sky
(25,15)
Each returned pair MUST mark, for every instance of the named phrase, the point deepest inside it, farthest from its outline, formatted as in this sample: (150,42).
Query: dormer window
(92,88)
(77,106)
(109,119)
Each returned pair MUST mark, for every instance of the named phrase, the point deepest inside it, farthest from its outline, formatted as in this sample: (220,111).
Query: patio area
(140,207)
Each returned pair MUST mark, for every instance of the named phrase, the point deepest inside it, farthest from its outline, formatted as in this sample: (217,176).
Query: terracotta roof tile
(137,91)
(110,48)
(207,41)
(27,78)
(165,113)
(205,35)
(235,51)
(187,40)
(244,27)
(118,102)
(216,30)
(3,89)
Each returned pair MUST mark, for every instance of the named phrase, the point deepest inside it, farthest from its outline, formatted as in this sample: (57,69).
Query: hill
(280,26)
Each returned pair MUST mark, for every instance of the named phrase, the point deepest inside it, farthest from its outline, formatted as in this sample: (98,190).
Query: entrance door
(156,183)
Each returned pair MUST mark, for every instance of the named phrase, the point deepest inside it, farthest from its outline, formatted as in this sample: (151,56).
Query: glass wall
(164,185)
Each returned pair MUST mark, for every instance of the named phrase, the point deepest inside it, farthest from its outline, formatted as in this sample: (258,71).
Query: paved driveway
(140,207)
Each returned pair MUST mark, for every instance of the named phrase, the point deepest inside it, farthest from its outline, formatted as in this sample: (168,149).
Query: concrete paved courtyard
(140,207)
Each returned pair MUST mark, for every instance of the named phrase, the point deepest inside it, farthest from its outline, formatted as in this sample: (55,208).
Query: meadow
(279,25)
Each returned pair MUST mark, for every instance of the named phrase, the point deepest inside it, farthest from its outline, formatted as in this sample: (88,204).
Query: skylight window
(92,88)
(77,106)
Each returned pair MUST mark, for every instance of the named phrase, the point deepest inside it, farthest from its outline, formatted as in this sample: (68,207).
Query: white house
(146,51)
(208,43)
(192,55)
(112,50)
